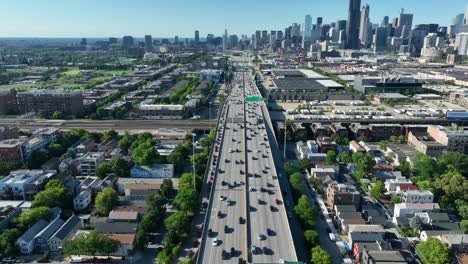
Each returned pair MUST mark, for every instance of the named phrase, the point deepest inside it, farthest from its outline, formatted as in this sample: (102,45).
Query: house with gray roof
(42,237)
(116,228)
(57,240)
(25,243)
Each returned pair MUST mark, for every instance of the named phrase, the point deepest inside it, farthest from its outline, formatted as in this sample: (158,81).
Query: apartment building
(343,194)
(48,101)
(90,162)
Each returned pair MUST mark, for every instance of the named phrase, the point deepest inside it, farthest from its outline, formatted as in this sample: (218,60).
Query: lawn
(20,86)
(72,72)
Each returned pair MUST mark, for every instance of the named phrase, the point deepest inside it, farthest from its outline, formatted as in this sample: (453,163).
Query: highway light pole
(193,161)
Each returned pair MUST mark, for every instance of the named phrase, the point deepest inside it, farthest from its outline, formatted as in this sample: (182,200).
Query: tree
(345,157)
(145,153)
(103,169)
(125,142)
(297,182)
(378,190)
(105,200)
(395,199)
(312,238)
(453,161)
(383,145)
(432,251)
(177,226)
(363,162)
(415,222)
(54,195)
(304,164)
(156,202)
(306,212)
(57,115)
(331,157)
(393,139)
(121,167)
(451,186)
(424,167)
(166,188)
(186,181)
(7,242)
(29,218)
(91,244)
(462,208)
(405,168)
(55,150)
(109,134)
(464,226)
(186,199)
(320,256)
(289,168)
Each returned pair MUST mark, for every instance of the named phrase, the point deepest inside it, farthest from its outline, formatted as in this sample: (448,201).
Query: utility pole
(193,157)
(285,133)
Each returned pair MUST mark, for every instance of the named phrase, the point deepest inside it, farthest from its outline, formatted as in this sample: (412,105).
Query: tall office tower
(386,20)
(324,30)
(279,35)
(296,33)
(113,40)
(405,23)
(197,38)
(364,26)
(315,35)
(457,24)
(254,42)
(430,41)
(380,39)
(176,39)
(461,43)
(148,43)
(287,33)
(127,42)
(352,30)
(258,37)
(264,37)
(272,37)
(225,40)
(84,42)
(415,42)
(341,25)
(233,41)
(210,39)
(307,27)
(319,22)
(430,28)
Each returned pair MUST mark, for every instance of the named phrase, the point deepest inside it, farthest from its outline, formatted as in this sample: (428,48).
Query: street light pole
(285,133)
(193,157)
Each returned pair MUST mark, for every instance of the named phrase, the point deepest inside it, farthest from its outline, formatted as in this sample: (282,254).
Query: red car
(278,202)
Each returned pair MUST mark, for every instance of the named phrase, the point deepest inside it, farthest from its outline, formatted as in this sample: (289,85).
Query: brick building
(46,102)
(8,104)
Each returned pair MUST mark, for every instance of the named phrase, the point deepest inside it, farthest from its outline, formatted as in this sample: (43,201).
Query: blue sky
(103,18)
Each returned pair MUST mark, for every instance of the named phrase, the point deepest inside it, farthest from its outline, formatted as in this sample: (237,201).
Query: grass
(72,72)
(110,73)
(20,86)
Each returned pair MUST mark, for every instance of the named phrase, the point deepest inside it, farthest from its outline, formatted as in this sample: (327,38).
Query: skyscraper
(364,25)
(457,24)
(341,25)
(319,22)
(225,40)
(380,39)
(307,27)
(148,43)
(352,31)
(197,37)
(127,42)
(405,23)
(176,40)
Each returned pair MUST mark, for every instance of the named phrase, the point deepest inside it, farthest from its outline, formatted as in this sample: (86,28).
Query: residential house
(365,233)
(377,257)
(116,227)
(417,196)
(355,147)
(392,184)
(456,242)
(42,238)
(406,210)
(90,162)
(383,175)
(303,150)
(24,184)
(82,200)
(85,146)
(326,144)
(359,248)
(322,173)
(127,244)
(123,216)
(343,194)
(25,243)
(57,241)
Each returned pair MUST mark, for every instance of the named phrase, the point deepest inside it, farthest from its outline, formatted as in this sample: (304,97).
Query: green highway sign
(253,99)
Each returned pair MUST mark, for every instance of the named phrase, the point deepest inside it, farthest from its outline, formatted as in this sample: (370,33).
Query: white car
(221,198)
(215,241)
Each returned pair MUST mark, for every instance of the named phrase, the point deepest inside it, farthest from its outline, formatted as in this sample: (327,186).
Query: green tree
(320,256)
(331,157)
(166,188)
(297,182)
(462,208)
(432,251)
(145,153)
(121,167)
(177,226)
(103,169)
(453,161)
(7,242)
(57,115)
(405,168)
(105,201)
(304,164)
(363,162)
(378,190)
(451,186)
(395,199)
(91,244)
(306,212)
(424,167)
(29,218)
(383,145)
(345,157)
(289,168)
(109,134)
(54,195)
(463,226)
(156,202)
(186,181)
(125,142)
(55,150)
(186,199)
(312,238)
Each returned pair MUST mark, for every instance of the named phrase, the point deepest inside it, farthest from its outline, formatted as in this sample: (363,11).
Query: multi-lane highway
(247,220)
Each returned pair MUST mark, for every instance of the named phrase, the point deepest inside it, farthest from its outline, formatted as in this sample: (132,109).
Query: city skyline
(68,20)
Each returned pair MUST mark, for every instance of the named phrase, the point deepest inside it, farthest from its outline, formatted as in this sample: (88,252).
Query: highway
(247,220)
(271,239)
(227,220)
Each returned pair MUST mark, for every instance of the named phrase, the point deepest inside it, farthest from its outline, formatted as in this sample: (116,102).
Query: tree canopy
(54,195)
(306,212)
(320,256)
(432,251)
(91,244)
(105,201)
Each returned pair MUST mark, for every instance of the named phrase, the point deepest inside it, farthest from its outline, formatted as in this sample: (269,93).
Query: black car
(224,255)
(226,228)
(233,251)
(219,214)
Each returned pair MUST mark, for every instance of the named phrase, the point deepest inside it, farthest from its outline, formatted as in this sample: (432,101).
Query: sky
(167,18)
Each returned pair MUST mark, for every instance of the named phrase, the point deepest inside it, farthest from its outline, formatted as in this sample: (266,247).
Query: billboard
(457,115)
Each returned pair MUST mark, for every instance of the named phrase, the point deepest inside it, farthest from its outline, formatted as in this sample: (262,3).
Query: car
(215,241)
(224,255)
(333,237)
(233,251)
(228,202)
(269,232)
(252,189)
(261,237)
(220,214)
(223,183)
(241,220)
(289,214)
(230,150)
(253,249)
(241,172)
(195,243)
(221,198)
(272,208)
(226,228)
(277,201)
(210,231)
